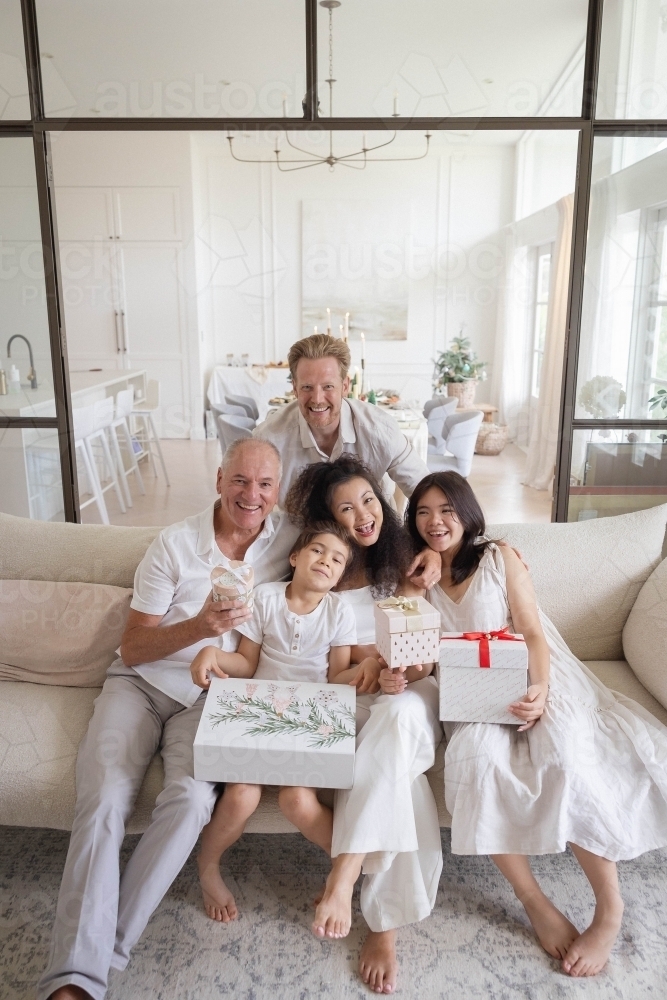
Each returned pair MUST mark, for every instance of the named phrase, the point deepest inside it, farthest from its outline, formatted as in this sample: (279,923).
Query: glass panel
(22,292)
(483,57)
(166,58)
(30,485)
(633,60)
(616,471)
(623,352)
(14,100)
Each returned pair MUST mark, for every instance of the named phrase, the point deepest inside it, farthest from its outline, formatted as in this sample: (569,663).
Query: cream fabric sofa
(587,576)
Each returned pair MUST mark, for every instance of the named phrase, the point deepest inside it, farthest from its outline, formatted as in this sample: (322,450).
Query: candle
(340,331)
(356,383)
(347,327)
(314,329)
(363,346)
(396,103)
(328,321)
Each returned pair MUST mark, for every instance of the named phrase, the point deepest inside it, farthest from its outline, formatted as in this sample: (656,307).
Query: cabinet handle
(116,331)
(124,329)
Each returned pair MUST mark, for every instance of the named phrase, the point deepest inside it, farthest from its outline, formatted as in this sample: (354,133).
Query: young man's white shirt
(296,647)
(174,579)
(365,431)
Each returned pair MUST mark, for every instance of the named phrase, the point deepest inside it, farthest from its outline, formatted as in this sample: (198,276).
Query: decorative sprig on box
(277,733)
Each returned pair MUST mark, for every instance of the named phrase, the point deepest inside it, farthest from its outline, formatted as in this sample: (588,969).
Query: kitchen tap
(32,374)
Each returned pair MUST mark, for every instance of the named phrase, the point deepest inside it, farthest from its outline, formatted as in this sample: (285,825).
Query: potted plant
(459,370)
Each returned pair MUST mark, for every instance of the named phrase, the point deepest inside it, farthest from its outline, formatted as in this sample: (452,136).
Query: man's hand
(366,680)
(531,707)
(204,664)
(217,617)
(425,569)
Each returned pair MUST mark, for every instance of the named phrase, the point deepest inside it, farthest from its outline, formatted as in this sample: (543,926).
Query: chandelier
(356,160)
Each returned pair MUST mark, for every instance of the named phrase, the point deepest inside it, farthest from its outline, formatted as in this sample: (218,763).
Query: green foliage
(458,364)
(660,399)
(324,724)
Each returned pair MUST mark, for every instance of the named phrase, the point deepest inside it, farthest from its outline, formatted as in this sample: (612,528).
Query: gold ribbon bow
(410,608)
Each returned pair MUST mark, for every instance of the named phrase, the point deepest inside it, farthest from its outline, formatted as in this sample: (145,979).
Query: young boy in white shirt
(299,631)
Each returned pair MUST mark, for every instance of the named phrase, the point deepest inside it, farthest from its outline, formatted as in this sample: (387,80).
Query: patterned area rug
(476,944)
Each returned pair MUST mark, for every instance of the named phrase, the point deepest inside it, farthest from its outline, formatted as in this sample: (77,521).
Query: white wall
(249,253)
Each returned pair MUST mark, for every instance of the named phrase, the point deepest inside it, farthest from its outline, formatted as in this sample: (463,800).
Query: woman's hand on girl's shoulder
(425,569)
(505,547)
(531,707)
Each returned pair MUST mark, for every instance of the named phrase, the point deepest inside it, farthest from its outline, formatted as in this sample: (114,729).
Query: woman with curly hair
(387,823)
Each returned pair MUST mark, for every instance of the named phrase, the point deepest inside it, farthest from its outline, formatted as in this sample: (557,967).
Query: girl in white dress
(387,822)
(586,767)
(299,631)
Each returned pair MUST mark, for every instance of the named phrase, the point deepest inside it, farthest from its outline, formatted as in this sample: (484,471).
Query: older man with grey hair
(149,703)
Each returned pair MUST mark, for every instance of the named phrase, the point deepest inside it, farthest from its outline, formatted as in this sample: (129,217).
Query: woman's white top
(362,604)
(296,647)
(592,771)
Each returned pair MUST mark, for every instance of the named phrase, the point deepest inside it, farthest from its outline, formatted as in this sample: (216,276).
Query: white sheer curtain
(541,459)
(510,374)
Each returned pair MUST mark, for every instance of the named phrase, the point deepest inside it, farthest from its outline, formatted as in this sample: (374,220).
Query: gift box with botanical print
(265,732)
(480,674)
(407,631)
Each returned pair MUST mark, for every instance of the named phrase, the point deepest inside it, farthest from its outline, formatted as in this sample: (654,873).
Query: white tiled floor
(192,467)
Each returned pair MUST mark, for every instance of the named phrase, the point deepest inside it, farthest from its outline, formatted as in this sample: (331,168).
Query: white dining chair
(435,420)
(149,440)
(247,402)
(120,434)
(84,425)
(231,428)
(450,402)
(229,409)
(459,433)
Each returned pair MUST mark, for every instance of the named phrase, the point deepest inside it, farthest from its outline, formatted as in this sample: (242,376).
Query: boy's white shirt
(296,647)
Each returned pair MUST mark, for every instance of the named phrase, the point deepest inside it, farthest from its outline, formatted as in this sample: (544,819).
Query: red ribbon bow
(483,639)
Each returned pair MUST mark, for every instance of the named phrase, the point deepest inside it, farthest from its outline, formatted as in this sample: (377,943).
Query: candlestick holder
(363,376)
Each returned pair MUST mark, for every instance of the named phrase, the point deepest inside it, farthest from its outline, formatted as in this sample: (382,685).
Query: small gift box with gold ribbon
(407,631)
(480,674)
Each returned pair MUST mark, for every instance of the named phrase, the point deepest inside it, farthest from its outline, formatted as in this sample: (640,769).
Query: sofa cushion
(40,732)
(60,633)
(90,553)
(645,634)
(618,676)
(587,574)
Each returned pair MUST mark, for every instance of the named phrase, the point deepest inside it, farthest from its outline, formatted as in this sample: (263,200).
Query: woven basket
(491,439)
(464,391)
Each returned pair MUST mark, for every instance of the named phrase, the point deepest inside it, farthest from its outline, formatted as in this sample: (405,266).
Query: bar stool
(149,438)
(124,404)
(102,420)
(84,425)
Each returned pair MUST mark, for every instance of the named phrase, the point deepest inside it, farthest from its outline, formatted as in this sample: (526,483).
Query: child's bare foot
(218,900)
(588,954)
(333,916)
(554,931)
(320,894)
(378,966)
(70,992)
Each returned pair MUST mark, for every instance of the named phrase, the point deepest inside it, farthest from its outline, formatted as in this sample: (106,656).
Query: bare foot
(378,966)
(333,916)
(218,900)
(554,931)
(589,953)
(70,993)
(320,895)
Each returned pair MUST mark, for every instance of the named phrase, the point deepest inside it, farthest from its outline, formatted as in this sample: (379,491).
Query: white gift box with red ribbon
(262,732)
(407,631)
(480,674)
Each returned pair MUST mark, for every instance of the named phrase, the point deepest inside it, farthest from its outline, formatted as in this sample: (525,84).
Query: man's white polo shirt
(174,579)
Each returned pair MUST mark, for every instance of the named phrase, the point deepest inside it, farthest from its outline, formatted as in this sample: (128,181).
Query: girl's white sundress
(592,771)
(390,814)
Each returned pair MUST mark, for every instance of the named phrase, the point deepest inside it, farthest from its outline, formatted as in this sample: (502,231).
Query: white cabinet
(123,288)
